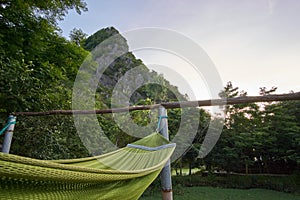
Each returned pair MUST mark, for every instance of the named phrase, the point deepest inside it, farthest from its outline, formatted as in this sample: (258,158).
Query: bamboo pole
(8,134)
(168,105)
(165,174)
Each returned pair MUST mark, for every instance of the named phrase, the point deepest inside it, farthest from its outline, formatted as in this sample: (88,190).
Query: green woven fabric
(122,174)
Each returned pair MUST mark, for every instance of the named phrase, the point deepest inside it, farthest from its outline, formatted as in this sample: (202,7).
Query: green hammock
(121,174)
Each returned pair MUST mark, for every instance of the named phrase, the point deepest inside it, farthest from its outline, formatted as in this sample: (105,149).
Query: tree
(283,127)
(26,25)
(234,150)
(261,137)
(77,36)
(37,68)
(35,62)
(92,41)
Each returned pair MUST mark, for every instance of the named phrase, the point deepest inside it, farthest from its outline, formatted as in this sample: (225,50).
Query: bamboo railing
(169,105)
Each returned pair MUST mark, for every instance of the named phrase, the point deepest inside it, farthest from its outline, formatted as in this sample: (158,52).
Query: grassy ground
(185,171)
(210,193)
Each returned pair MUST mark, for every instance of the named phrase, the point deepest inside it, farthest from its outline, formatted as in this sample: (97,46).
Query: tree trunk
(180,166)
(176,171)
(246,168)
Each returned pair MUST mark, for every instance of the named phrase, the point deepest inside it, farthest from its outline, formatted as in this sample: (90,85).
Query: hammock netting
(121,174)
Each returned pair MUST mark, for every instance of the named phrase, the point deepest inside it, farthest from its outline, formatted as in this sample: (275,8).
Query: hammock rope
(9,122)
(159,122)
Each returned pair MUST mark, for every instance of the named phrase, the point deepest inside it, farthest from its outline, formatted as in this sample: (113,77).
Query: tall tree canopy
(35,62)
(38,68)
(258,137)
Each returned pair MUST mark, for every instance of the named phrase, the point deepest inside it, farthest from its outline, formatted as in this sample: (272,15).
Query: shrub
(290,183)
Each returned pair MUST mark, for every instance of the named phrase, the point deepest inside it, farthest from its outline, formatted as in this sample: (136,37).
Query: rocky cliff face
(125,72)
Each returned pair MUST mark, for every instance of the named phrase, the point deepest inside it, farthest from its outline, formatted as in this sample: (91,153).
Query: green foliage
(258,139)
(279,183)
(26,25)
(49,137)
(198,123)
(78,36)
(37,65)
(285,131)
(92,41)
(40,85)
(38,68)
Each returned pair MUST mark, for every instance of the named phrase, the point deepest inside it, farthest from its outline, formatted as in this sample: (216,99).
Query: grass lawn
(210,193)
(185,171)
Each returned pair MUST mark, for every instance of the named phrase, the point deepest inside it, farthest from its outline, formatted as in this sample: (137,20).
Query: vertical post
(165,175)
(8,134)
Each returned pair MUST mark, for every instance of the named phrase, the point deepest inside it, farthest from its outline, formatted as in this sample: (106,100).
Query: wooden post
(8,134)
(165,175)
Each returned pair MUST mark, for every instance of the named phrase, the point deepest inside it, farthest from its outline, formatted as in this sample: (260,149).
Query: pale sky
(253,43)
